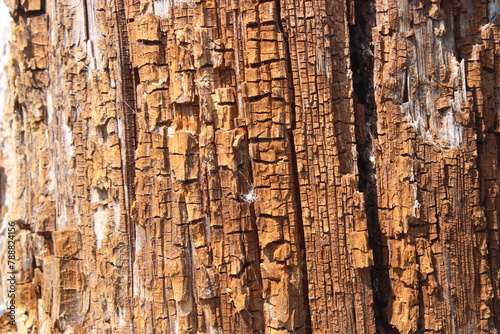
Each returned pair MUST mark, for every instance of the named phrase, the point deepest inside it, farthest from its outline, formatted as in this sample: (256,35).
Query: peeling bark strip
(255,166)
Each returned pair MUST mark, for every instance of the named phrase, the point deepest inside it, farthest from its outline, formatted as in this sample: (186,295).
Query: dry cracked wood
(255,166)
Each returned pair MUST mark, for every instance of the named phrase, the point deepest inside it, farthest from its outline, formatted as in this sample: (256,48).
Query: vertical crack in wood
(295,173)
(128,137)
(86,19)
(361,54)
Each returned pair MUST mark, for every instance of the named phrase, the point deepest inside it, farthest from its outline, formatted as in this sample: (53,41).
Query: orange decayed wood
(195,166)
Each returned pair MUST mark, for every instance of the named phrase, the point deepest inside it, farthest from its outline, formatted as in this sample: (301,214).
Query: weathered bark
(255,166)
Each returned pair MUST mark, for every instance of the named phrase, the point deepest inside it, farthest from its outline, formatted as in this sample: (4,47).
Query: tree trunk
(241,166)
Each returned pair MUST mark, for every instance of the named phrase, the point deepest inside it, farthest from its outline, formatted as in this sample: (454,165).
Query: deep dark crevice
(421,311)
(484,143)
(294,171)
(127,108)
(361,51)
(128,99)
(152,43)
(257,98)
(86,19)
(456,24)
(406,88)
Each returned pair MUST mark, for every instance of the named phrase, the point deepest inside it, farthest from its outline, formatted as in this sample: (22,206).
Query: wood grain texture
(195,166)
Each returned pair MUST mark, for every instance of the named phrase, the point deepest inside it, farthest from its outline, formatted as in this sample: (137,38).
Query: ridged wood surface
(254,166)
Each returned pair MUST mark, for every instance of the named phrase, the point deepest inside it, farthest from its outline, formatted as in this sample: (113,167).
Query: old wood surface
(239,166)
